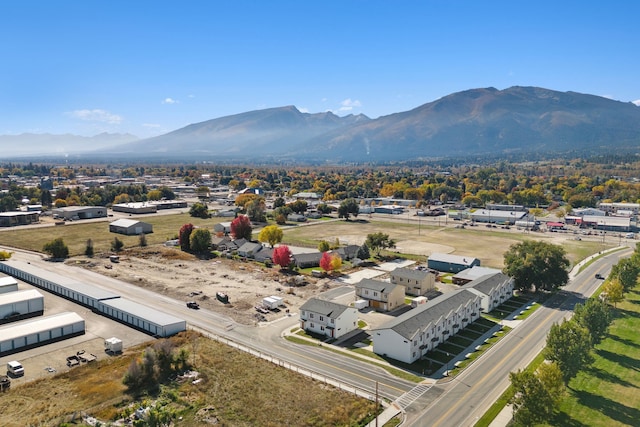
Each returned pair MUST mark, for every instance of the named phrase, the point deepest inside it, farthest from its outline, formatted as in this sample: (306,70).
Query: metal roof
(125,222)
(475,272)
(87,289)
(452,259)
(19,296)
(41,324)
(141,311)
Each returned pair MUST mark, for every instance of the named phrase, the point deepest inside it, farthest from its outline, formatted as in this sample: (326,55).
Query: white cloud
(170,101)
(349,104)
(96,115)
(637,102)
(303,110)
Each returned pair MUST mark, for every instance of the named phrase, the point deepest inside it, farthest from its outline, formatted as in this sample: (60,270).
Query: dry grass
(237,390)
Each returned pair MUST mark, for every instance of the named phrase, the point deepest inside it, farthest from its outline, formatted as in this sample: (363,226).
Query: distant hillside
(477,122)
(251,135)
(29,144)
(489,121)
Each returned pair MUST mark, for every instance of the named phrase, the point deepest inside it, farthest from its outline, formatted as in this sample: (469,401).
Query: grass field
(607,393)
(237,389)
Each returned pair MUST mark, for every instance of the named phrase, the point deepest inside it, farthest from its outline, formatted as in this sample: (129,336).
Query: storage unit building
(272,302)
(83,293)
(142,317)
(44,330)
(20,305)
(79,212)
(8,284)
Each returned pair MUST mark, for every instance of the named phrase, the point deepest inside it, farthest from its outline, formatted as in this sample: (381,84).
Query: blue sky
(149,67)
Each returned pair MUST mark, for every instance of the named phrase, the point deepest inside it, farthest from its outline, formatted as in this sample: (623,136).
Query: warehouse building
(20,305)
(11,219)
(130,227)
(141,317)
(79,212)
(451,263)
(34,333)
(135,208)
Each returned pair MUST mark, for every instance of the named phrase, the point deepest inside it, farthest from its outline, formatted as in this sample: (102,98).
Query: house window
(322,328)
(311,315)
(366,292)
(311,325)
(375,294)
(332,320)
(321,318)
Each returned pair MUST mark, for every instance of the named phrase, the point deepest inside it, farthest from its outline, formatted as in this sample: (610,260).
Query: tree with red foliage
(282,256)
(183,237)
(325,261)
(241,227)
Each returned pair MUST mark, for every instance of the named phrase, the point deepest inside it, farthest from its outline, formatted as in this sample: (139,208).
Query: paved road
(463,400)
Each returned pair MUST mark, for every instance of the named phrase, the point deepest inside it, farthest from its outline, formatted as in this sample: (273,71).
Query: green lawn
(607,393)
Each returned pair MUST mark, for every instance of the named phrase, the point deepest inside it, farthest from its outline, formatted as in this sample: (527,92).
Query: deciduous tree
(184,235)
(241,227)
(282,256)
(271,234)
(379,241)
(626,271)
(531,401)
(199,210)
(324,246)
(347,208)
(200,241)
(536,264)
(569,345)
(56,248)
(613,291)
(594,315)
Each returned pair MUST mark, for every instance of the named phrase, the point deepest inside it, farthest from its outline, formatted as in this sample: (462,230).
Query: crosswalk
(412,395)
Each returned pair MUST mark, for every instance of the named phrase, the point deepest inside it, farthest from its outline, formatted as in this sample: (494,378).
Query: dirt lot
(183,277)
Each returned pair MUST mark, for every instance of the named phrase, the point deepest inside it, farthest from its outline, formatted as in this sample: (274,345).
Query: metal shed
(147,319)
(20,305)
(83,293)
(8,284)
(41,331)
(130,227)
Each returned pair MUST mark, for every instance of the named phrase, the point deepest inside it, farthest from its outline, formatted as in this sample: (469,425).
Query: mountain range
(475,122)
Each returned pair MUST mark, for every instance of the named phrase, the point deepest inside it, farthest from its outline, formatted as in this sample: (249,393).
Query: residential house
(249,249)
(348,252)
(307,260)
(222,243)
(296,217)
(382,296)
(416,281)
(328,318)
(412,334)
(493,290)
(222,227)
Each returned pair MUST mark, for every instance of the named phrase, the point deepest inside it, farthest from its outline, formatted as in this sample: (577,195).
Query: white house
(383,296)
(493,290)
(328,318)
(416,282)
(412,334)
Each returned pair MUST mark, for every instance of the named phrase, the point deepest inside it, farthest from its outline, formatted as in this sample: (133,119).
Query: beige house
(416,282)
(382,296)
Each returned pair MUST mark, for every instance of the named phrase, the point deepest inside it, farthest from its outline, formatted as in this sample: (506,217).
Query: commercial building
(451,263)
(20,305)
(79,212)
(142,317)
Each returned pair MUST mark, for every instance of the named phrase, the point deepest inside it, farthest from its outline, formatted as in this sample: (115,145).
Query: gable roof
(487,283)
(125,222)
(376,285)
(411,322)
(475,272)
(250,247)
(307,258)
(324,307)
(410,273)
